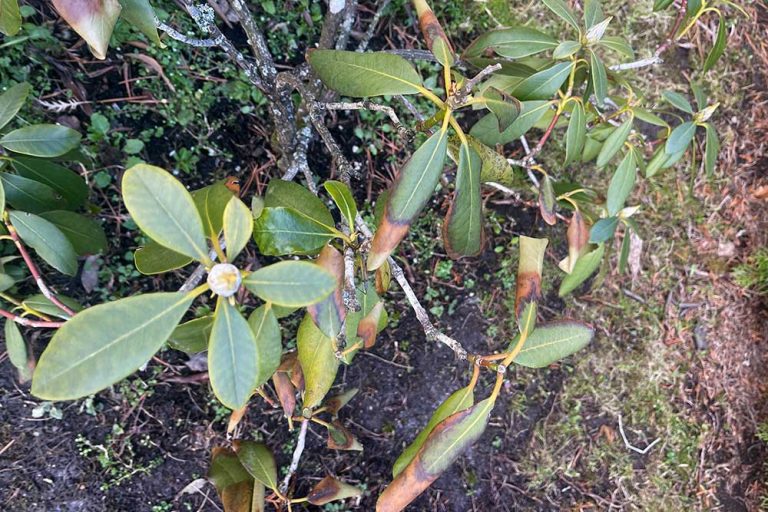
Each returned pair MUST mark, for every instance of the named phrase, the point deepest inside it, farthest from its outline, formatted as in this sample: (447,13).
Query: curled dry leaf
(235,417)
(340,438)
(330,489)
(334,404)
(329,313)
(529,271)
(369,324)
(286,393)
(578,238)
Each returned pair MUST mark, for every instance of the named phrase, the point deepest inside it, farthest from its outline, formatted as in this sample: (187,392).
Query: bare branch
(178,36)
(363,45)
(650,61)
(459,97)
(300,441)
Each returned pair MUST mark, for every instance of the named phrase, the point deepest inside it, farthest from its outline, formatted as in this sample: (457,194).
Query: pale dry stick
(460,96)
(367,105)
(29,323)
(178,36)
(47,293)
(363,45)
(197,275)
(432,333)
(630,446)
(300,441)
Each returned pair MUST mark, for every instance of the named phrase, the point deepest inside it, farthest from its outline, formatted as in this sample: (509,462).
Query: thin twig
(29,323)
(178,36)
(459,97)
(363,45)
(300,441)
(47,293)
(432,333)
(630,446)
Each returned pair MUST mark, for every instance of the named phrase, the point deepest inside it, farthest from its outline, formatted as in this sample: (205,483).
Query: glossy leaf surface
(291,283)
(318,362)
(463,227)
(45,140)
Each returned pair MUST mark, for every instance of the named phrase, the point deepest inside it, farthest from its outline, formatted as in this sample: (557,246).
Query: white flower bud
(224,279)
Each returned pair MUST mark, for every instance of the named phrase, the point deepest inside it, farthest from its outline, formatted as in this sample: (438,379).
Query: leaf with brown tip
(94,20)
(369,325)
(340,438)
(578,239)
(330,489)
(334,404)
(444,445)
(529,271)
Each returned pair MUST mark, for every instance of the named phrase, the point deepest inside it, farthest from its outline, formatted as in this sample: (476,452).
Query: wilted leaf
(329,313)
(330,489)
(447,441)
(578,238)
(457,401)
(94,20)
(530,266)
(340,438)
(286,393)
(414,186)
(334,404)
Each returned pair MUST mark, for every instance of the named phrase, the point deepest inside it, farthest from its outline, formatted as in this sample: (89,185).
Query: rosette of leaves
(105,343)
(40,198)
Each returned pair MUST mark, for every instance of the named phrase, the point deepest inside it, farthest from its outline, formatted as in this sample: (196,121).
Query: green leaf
(45,306)
(2,197)
(364,74)
(292,195)
(547,201)
(318,362)
(29,195)
(142,16)
(368,300)
(210,202)
(603,230)
(279,231)
(269,346)
(719,47)
(153,258)
(291,283)
(563,11)
(506,108)
(576,134)
(624,254)
(614,142)
(599,78)
(512,43)
(552,342)
(487,129)
(659,5)
(677,100)
(544,84)
(680,137)
(593,13)
(86,235)
(617,44)
(238,227)
(105,344)
(12,99)
(66,183)
(585,267)
(414,186)
(94,20)
(622,182)
(164,210)
(711,150)
(447,441)
(17,349)
(45,140)
(258,460)
(463,226)
(226,470)
(458,401)
(47,240)
(192,337)
(344,200)
(566,49)
(649,117)
(10,21)
(232,356)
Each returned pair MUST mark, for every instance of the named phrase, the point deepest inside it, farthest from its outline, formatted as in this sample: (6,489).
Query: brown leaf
(329,313)
(368,326)
(94,20)
(235,417)
(383,278)
(154,65)
(334,404)
(286,393)
(339,438)
(578,239)
(330,489)
(529,271)
(237,497)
